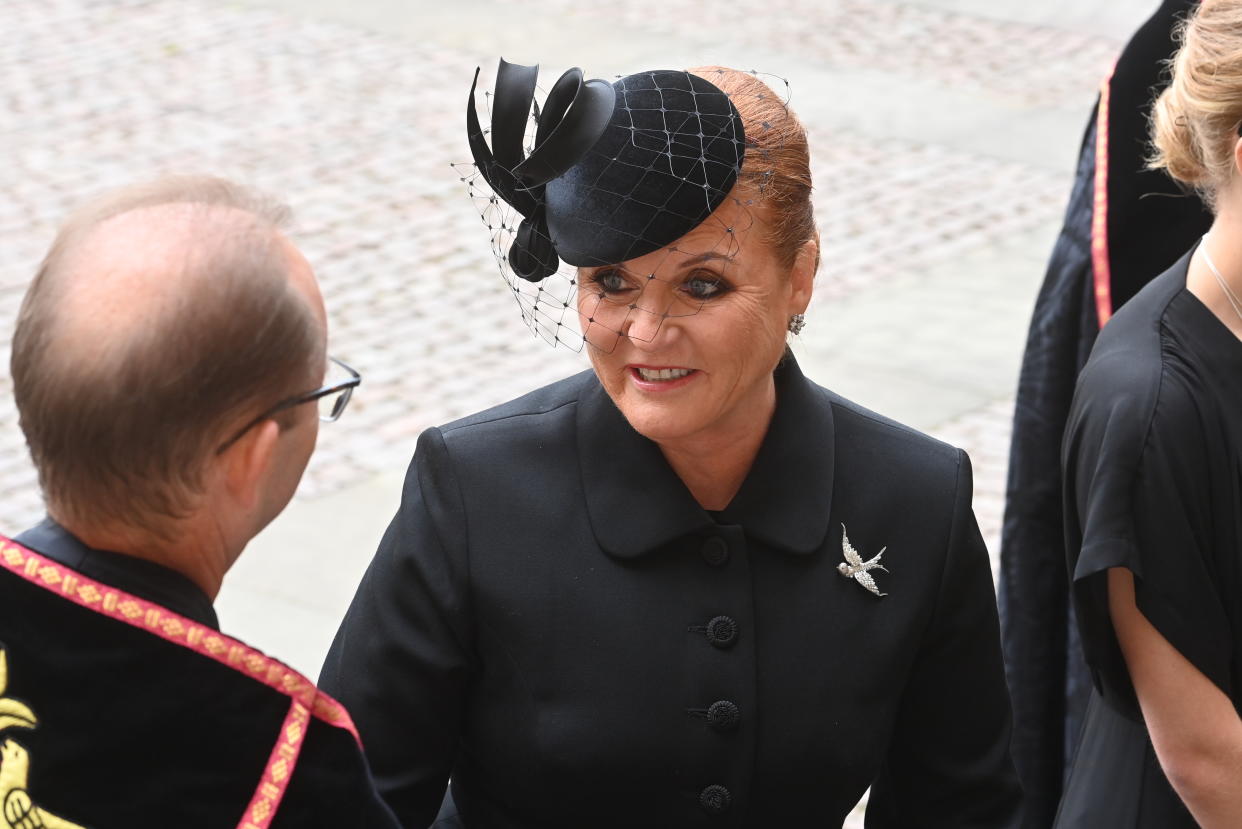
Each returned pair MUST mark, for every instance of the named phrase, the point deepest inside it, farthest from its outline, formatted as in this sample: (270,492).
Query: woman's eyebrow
(711,255)
(591,270)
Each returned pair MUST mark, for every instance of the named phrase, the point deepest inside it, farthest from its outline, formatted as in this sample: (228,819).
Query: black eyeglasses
(333,398)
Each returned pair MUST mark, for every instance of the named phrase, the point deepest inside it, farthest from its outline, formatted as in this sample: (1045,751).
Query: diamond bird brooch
(855,568)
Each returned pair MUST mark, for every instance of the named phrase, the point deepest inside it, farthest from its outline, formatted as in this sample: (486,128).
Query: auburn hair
(777,164)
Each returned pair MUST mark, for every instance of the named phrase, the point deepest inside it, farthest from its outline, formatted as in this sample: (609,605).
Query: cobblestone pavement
(984,434)
(357,132)
(1030,65)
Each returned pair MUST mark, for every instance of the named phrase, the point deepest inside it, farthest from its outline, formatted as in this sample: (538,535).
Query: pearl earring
(796,323)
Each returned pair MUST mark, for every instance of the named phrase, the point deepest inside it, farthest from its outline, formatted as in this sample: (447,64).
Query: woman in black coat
(689,587)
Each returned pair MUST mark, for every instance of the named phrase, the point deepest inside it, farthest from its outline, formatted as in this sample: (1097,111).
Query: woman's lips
(661,378)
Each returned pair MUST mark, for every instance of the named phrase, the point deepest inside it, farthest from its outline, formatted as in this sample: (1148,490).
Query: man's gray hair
(121,423)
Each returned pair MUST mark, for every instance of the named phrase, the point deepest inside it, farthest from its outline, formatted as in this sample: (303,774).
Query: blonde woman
(1153,489)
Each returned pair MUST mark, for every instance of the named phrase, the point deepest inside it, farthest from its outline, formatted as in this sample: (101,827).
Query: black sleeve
(1138,492)
(948,764)
(401,660)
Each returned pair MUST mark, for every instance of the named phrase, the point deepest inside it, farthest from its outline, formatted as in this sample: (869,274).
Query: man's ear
(246,462)
(802,276)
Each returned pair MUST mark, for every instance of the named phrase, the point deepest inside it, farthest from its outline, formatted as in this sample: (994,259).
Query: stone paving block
(901,38)
(984,434)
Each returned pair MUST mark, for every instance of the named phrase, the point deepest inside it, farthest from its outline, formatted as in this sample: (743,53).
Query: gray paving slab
(294,582)
(1102,18)
(931,345)
(927,72)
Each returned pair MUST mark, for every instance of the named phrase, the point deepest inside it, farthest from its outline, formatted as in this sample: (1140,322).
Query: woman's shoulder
(882,467)
(1135,387)
(541,407)
(510,446)
(890,444)
(1127,363)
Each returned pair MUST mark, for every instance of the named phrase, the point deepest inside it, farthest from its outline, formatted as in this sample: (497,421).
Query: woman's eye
(703,287)
(610,282)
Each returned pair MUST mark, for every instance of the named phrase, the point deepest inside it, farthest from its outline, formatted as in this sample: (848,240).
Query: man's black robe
(122,705)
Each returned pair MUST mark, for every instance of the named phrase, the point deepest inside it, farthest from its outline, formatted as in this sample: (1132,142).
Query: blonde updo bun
(1194,124)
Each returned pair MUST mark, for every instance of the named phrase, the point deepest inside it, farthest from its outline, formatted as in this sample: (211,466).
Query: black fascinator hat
(616,171)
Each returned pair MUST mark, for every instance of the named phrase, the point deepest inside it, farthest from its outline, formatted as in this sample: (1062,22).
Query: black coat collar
(637,503)
(145,579)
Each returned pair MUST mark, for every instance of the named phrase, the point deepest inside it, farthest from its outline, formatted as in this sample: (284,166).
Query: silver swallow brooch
(855,568)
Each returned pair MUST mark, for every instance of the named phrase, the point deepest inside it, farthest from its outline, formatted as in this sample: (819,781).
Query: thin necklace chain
(1220,280)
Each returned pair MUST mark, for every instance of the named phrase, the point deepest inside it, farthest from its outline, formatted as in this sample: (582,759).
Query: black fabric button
(715,799)
(722,632)
(723,715)
(715,551)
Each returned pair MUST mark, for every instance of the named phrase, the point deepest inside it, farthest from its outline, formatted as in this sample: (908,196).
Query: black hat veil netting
(586,195)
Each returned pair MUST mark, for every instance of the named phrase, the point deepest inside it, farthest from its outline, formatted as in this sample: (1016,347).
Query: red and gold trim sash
(1101,270)
(271,791)
(305,699)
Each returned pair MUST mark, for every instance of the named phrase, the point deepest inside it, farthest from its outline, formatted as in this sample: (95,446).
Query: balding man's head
(161,317)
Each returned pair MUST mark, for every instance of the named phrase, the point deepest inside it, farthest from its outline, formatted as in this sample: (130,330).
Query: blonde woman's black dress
(1153,483)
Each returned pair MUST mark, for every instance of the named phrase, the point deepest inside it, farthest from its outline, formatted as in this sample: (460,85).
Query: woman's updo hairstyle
(1195,120)
(777,164)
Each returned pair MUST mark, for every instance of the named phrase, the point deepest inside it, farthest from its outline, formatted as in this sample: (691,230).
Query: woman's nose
(643,327)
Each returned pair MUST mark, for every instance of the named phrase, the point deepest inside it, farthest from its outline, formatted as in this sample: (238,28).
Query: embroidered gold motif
(13,714)
(17,809)
(173,627)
